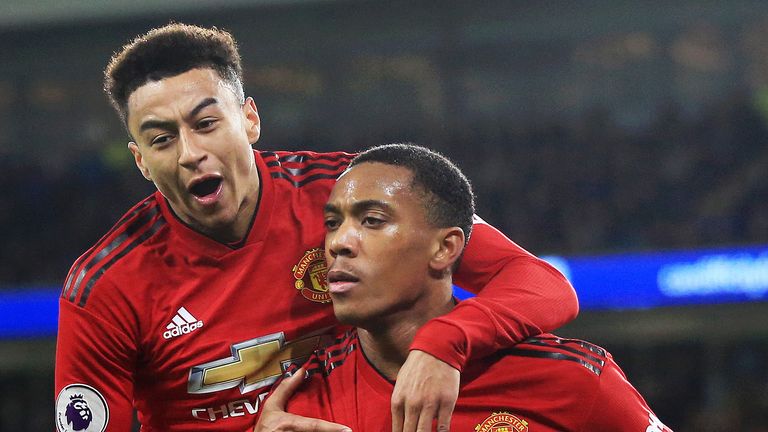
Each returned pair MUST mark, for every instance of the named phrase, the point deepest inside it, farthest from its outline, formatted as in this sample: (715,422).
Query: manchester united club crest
(311,275)
(502,422)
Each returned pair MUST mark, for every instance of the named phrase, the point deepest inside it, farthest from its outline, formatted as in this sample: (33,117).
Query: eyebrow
(167,125)
(205,102)
(359,206)
(157,124)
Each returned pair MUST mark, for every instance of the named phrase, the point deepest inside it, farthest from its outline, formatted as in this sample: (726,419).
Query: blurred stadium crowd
(602,128)
(555,187)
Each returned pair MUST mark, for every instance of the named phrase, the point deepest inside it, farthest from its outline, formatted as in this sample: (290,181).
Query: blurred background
(623,140)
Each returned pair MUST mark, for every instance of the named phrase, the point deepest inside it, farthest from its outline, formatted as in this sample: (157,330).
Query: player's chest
(514,410)
(257,284)
(236,321)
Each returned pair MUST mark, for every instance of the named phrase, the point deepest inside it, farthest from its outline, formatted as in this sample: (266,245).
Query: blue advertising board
(621,281)
(653,279)
(28,312)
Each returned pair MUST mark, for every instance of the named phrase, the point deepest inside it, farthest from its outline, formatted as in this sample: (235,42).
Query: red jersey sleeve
(619,407)
(518,296)
(93,368)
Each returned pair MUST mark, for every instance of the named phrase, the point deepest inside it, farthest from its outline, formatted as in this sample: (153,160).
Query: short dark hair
(448,197)
(169,51)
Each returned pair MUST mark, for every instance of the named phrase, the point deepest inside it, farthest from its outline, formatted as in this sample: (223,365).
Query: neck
(386,343)
(239,229)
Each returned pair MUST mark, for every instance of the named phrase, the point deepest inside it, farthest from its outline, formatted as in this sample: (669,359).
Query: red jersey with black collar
(192,333)
(546,383)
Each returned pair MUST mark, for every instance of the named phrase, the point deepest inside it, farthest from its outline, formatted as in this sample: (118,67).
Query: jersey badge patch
(502,422)
(80,407)
(311,274)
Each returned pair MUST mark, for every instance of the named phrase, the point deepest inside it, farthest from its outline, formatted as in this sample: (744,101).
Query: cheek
(164,175)
(166,179)
(239,152)
(397,264)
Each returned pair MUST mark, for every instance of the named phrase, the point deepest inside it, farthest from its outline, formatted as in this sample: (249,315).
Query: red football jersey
(193,333)
(545,383)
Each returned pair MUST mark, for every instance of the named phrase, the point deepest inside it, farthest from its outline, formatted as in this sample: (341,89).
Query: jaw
(216,216)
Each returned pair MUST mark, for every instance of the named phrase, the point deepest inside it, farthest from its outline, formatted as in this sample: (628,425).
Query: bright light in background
(646,280)
(624,281)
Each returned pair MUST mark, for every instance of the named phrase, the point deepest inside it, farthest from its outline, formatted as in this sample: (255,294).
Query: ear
(450,246)
(252,120)
(137,157)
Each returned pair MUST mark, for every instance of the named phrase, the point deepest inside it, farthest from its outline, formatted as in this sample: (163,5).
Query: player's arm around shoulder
(504,274)
(518,296)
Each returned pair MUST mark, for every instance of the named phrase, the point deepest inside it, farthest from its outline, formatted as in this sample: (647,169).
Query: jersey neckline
(256,230)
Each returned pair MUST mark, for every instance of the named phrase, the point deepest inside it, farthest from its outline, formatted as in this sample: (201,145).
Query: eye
(372,221)
(161,140)
(205,124)
(331,223)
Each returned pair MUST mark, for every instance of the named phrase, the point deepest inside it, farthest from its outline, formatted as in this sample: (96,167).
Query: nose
(343,241)
(191,152)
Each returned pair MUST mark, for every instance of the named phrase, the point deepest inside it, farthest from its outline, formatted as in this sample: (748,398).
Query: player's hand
(275,419)
(426,389)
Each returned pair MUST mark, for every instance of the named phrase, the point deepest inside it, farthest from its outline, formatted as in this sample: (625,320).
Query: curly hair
(169,51)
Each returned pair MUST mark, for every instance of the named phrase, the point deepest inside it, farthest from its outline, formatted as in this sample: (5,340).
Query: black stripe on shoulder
(300,158)
(522,352)
(558,341)
(133,232)
(563,345)
(293,166)
(159,223)
(326,359)
(301,166)
(313,167)
(96,250)
(103,250)
(304,181)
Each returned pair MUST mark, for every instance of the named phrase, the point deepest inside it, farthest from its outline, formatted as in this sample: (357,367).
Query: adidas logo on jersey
(182,323)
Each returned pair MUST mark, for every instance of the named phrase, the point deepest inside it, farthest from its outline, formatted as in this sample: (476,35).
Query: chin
(221,219)
(347,316)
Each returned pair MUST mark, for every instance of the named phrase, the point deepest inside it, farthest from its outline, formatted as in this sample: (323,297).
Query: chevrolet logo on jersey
(254,364)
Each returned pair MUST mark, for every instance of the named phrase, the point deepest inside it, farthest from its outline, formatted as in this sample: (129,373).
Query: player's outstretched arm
(518,296)
(275,419)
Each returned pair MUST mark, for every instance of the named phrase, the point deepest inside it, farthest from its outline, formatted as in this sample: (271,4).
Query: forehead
(177,92)
(373,180)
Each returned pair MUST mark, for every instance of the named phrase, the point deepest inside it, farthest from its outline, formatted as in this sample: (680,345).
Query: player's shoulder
(332,352)
(300,168)
(581,357)
(134,229)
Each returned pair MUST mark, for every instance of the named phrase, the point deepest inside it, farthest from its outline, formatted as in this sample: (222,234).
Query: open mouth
(206,187)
